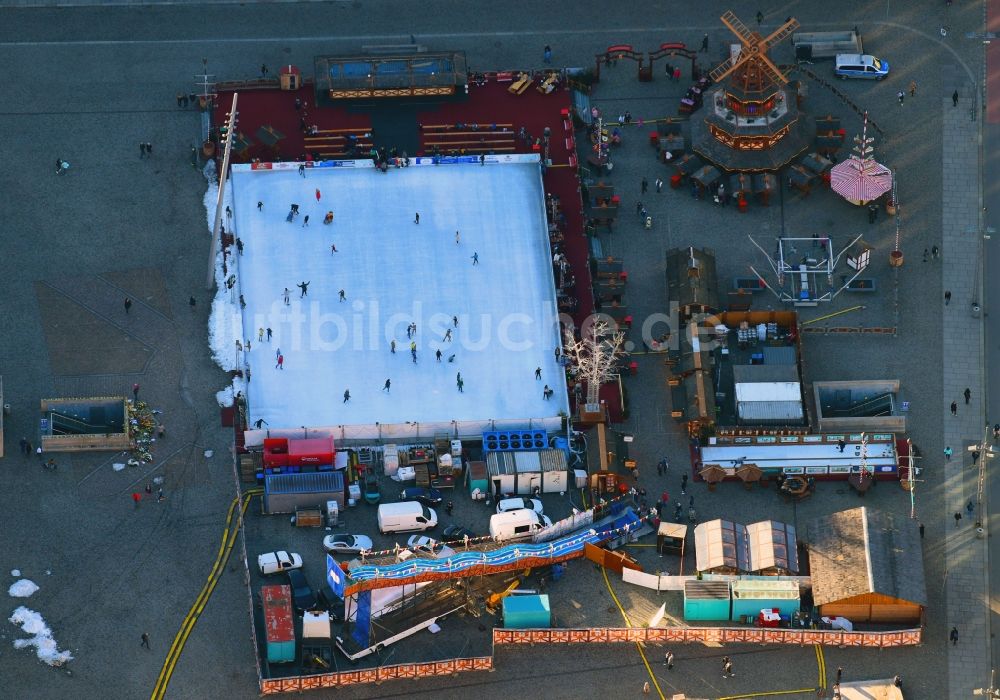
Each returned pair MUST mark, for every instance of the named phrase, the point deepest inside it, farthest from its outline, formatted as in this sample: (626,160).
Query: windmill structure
(752,121)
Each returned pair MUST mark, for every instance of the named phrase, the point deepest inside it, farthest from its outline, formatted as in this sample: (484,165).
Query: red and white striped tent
(860,179)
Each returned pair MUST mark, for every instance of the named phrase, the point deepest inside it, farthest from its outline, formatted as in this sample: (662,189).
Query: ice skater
(458,238)
(343,295)
(451,358)
(475,258)
(460,383)
(318,195)
(413,354)
(260,205)
(437,355)
(304,287)
(447,336)
(454,321)
(392,347)
(291,215)
(547,392)
(286,296)
(305,221)
(281,362)
(388,382)
(416,218)
(538,373)
(328,219)
(347,395)
(333,247)
(269,335)
(302,169)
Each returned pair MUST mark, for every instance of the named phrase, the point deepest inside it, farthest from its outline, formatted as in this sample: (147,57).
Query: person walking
(704,44)
(684,483)
(927,255)
(24,446)
(644,185)
(913,88)
(967,394)
(954,408)
(281,362)
(900,96)
(975,456)
(475,259)
(872,213)
(304,286)
(970,507)
(538,373)
(727,667)
(347,395)
(149,149)
(192,302)
(547,54)
(142,150)
(953,636)
(135,391)
(136,499)
(668,659)
(159,495)
(841,445)
(947,453)
(958,518)
(954,99)
(128,304)
(145,640)
(659,185)
(454,321)
(921,531)
(935,252)
(263,70)
(385,387)
(947,297)
(645,688)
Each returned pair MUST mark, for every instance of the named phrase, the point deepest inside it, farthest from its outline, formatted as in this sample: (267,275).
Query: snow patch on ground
(46,647)
(24,588)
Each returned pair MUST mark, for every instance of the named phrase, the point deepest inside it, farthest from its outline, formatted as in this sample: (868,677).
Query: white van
(406,516)
(517,524)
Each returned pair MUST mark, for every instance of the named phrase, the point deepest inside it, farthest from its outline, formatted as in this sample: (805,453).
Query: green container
(526,612)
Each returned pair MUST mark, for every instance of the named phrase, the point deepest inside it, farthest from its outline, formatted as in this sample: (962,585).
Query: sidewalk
(966,586)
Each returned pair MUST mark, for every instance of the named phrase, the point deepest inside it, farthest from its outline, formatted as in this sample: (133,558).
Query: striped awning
(860,181)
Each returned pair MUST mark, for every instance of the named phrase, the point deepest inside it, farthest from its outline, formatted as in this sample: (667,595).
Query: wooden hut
(692,283)
(867,566)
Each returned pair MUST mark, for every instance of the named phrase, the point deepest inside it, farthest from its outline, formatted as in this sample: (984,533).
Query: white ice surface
(46,647)
(23,588)
(394,272)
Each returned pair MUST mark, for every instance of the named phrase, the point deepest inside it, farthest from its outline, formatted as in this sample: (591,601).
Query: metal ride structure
(799,282)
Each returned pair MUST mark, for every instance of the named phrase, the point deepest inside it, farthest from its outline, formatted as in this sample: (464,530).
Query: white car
(276,562)
(346,544)
(509,504)
(424,546)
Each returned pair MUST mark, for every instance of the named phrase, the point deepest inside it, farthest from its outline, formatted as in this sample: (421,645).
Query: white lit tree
(593,358)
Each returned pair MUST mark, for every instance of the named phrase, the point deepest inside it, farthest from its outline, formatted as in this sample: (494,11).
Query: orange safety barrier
(273,686)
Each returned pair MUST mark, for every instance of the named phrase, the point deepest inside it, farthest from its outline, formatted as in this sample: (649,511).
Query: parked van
(857,65)
(406,516)
(517,524)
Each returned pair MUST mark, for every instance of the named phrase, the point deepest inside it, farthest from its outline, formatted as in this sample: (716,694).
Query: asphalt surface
(90,83)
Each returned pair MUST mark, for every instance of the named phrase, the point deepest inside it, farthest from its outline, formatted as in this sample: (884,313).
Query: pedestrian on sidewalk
(947,297)
(263,70)
(645,688)
(921,531)
(135,391)
(872,213)
(145,640)
(547,54)
(704,44)
(935,252)
(975,456)
(967,394)
(900,96)
(668,659)
(954,408)
(927,254)
(192,302)
(128,304)
(947,453)
(760,17)
(645,185)
(659,185)
(913,88)
(954,99)
(24,446)
(954,630)
(970,507)
(149,149)
(142,150)
(684,484)
(159,495)
(958,517)
(136,499)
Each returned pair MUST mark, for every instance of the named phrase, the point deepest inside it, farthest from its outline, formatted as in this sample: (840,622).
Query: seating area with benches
(468,138)
(336,143)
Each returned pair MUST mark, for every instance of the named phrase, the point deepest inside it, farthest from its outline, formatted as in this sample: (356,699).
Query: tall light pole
(223,176)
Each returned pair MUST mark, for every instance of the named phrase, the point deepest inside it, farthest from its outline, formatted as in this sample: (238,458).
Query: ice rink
(395,272)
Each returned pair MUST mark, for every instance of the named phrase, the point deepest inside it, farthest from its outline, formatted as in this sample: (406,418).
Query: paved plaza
(95,80)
